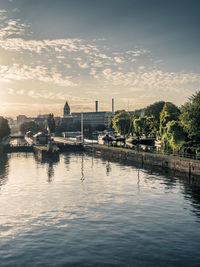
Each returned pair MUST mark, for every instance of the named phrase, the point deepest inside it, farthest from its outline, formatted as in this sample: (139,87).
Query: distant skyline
(135,51)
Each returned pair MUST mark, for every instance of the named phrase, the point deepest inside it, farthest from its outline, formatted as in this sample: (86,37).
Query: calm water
(85,211)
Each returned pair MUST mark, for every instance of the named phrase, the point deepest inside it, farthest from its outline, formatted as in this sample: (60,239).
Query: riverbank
(178,164)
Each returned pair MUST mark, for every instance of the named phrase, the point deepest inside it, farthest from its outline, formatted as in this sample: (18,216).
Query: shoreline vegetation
(176,129)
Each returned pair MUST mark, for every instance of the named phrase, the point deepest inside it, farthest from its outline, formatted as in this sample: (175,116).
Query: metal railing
(153,150)
(170,153)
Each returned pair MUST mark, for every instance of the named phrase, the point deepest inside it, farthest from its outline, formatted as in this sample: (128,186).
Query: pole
(82,138)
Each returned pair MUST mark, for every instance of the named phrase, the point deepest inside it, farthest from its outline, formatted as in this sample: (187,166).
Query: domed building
(66,110)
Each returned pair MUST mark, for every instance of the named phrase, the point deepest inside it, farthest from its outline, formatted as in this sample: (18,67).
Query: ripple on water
(116,216)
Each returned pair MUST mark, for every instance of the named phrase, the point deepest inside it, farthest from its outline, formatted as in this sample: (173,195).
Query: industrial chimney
(96,106)
(113,105)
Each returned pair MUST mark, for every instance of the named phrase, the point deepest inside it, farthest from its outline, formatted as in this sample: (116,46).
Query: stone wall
(190,166)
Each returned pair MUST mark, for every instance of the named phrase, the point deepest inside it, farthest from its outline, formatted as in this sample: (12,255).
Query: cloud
(40,73)
(137,52)
(83,65)
(150,79)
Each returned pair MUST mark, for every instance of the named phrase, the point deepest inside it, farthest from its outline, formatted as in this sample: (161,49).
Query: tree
(190,117)
(141,126)
(169,112)
(153,125)
(30,126)
(122,123)
(154,110)
(4,128)
(51,125)
(173,137)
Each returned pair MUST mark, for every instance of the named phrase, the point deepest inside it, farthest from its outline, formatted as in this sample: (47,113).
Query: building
(66,110)
(94,119)
(22,118)
(40,139)
(43,116)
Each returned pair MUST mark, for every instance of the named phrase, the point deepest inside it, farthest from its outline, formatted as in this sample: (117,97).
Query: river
(79,210)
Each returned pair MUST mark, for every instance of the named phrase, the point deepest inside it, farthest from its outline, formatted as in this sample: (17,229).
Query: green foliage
(173,137)
(190,117)
(51,125)
(30,126)
(122,123)
(190,147)
(169,113)
(154,110)
(152,125)
(4,128)
(145,126)
(141,126)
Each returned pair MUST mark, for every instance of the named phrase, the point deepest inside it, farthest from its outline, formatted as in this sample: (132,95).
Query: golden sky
(72,53)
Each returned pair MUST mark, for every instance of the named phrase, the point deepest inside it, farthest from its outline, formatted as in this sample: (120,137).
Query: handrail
(169,153)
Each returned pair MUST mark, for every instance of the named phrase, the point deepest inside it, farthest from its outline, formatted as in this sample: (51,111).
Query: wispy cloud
(149,79)
(92,67)
(40,73)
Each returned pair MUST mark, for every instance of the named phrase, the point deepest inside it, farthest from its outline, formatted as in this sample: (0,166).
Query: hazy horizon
(136,52)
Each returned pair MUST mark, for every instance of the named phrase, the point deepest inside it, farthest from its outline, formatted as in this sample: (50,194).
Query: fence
(151,149)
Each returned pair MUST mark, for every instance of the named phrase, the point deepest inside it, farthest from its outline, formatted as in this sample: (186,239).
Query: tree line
(177,128)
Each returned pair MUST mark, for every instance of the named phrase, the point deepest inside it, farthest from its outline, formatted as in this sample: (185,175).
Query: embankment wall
(179,164)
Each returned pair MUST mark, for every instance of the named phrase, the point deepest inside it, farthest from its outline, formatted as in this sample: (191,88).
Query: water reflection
(138,179)
(82,169)
(50,172)
(50,162)
(169,179)
(192,193)
(4,169)
(67,160)
(138,217)
(108,168)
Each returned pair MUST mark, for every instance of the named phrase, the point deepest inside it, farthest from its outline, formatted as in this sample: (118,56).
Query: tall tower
(113,109)
(96,106)
(66,110)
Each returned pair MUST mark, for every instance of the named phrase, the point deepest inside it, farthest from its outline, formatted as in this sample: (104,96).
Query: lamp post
(82,137)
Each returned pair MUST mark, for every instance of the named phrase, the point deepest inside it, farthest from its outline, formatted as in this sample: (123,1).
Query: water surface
(78,210)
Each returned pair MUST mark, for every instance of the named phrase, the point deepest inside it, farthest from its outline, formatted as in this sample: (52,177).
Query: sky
(135,51)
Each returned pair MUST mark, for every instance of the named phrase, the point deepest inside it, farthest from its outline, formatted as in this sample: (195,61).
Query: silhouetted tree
(4,128)
(30,126)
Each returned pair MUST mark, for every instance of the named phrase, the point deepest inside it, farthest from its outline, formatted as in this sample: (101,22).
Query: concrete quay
(177,164)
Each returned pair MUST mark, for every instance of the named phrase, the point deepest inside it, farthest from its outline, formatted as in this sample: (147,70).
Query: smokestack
(96,106)
(113,105)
